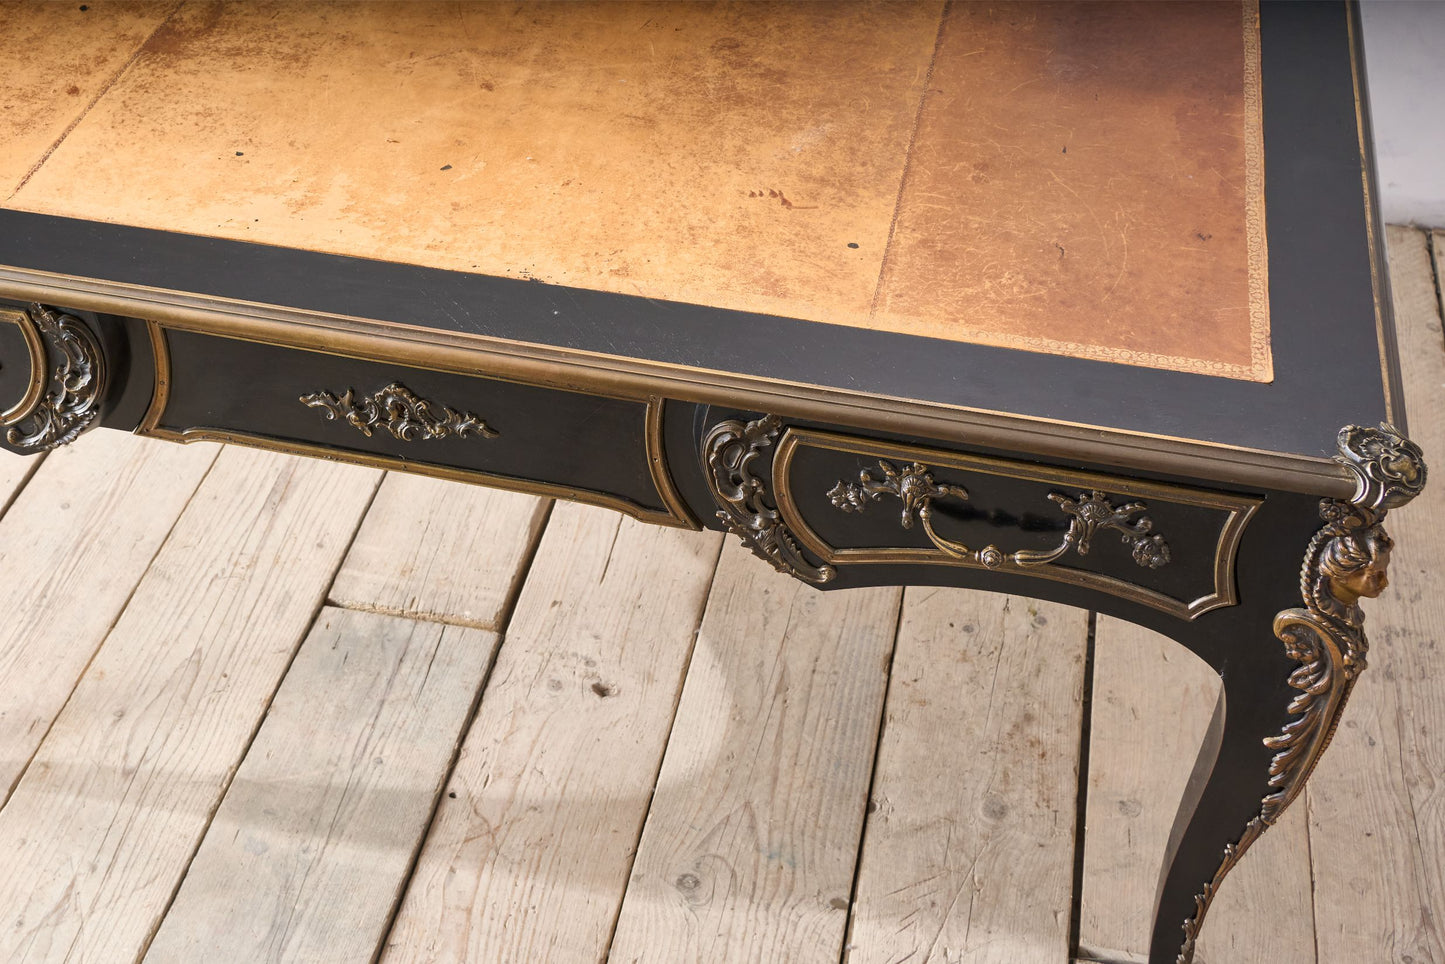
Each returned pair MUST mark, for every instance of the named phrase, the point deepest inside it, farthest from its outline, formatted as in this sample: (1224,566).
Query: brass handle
(914,487)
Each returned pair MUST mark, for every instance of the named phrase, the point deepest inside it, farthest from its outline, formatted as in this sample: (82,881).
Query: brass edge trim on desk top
(1239,508)
(1379,280)
(675,515)
(634,379)
(383,347)
(38,376)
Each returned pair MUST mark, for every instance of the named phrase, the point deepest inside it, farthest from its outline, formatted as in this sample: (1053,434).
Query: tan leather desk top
(1084,180)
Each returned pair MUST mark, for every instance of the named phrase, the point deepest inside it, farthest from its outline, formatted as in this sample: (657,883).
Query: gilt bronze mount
(1198,581)
(68,380)
(398,410)
(731,453)
(913,486)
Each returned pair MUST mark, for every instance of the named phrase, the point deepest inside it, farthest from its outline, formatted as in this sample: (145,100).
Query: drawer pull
(403,414)
(913,486)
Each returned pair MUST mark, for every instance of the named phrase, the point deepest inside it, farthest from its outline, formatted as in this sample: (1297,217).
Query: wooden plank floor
(260,709)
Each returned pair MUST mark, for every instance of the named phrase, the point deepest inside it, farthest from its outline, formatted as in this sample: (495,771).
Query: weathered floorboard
(14,471)
(1377,800)
(1152,703)
(968,852)
(751,843)
(433,549)
(72,548)
(99,830)
(529,853)
(307,855)
(1437,245)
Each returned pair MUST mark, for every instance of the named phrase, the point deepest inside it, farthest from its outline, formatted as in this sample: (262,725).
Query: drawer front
(447,423)
(851,501)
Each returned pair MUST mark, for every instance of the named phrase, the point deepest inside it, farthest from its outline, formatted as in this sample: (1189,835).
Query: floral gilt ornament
(396,409)
(914,487)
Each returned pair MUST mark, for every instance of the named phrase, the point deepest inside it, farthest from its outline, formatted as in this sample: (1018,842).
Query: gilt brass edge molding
(1379,285)
(1225,555)
(1239,510)
(657,465)
(729,452)
(373,341)
(73,378)
(35,387)
(619,377)
(1345,561)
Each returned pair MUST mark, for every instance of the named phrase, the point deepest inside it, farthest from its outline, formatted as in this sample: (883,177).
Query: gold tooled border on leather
(1256,240)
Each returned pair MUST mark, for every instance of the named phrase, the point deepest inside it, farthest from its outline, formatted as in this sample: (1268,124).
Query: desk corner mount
(1347,560)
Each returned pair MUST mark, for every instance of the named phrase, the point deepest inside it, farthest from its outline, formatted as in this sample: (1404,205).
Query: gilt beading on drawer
(444,422)
(852,501)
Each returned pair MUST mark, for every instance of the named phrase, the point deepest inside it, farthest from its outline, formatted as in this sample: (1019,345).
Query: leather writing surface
(721,155)
(1087,179)
(59,58)
(777,158)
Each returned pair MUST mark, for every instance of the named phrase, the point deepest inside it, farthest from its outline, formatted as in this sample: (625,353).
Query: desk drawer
(448,423)
(850,501)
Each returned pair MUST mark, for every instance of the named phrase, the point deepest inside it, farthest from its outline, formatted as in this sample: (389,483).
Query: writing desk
(1063,301)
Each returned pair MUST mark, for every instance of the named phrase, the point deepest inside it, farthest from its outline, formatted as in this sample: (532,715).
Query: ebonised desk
(1085,303)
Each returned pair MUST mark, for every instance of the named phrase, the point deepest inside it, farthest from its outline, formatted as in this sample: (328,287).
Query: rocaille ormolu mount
(1057,338)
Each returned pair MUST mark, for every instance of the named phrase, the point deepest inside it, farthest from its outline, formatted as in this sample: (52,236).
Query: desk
(1068,302)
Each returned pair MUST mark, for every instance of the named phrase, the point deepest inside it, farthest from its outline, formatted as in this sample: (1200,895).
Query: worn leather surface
(717,154)
(1078,184)
(744,156)
(59,58)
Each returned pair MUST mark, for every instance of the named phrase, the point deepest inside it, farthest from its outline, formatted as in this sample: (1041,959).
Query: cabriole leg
(1346,560)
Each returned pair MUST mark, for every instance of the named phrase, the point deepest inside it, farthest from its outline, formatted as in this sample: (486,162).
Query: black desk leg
(1271,739)
(1237,790)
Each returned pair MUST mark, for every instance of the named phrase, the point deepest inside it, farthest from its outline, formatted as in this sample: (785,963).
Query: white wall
(1405,64)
